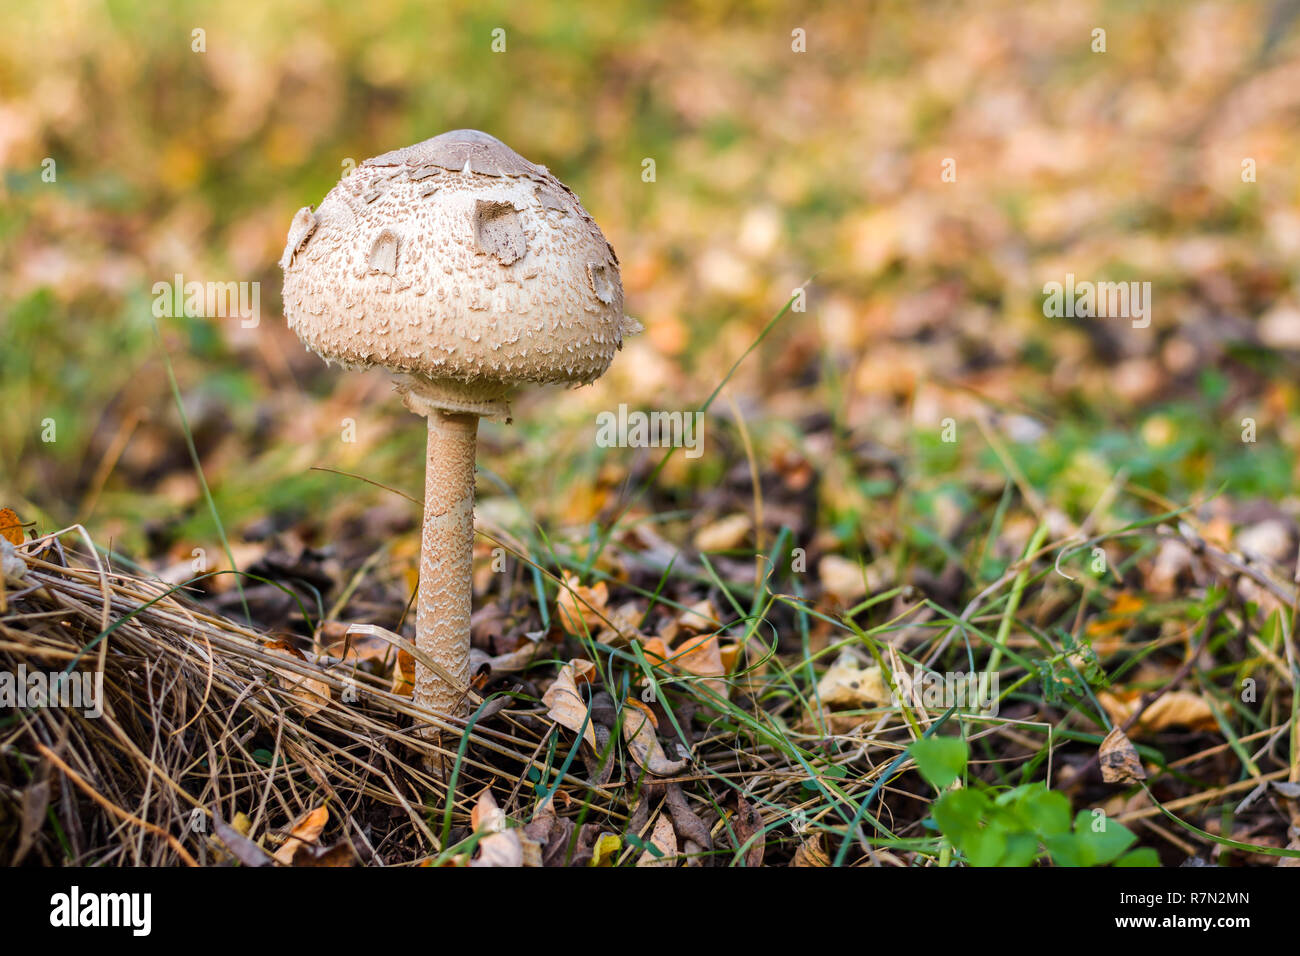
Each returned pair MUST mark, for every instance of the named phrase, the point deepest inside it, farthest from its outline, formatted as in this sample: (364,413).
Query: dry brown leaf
(564,701)
(1177,708)
(500,849)
(726,534)
(845,683)
(340,854)
(512,662)
(36,800)
(235,839)
(702,657)
(1121,616)
(11,528)
(306,831)
(692,830)
(498,845)
(1119,759)
(842,579)
(309,694)
(350,642)
(664,838)
(748,825)
(582,610)
(404,674)
(623,625)
(486,814)
(812,852)
(639,727)
(655,650)
(532,850)
(700,616)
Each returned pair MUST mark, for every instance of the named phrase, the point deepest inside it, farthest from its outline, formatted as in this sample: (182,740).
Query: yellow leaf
(606,848)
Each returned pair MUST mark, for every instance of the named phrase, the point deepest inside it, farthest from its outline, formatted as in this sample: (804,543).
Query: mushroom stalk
(446,554)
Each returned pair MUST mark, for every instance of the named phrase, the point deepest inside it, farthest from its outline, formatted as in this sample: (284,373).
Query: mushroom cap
(461,266)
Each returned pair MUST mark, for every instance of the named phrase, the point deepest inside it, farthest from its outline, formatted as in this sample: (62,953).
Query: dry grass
(201,714)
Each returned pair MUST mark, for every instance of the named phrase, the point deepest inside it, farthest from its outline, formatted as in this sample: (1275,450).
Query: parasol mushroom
(467,271)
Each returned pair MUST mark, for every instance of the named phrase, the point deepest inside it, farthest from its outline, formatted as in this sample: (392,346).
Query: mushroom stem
(446,553)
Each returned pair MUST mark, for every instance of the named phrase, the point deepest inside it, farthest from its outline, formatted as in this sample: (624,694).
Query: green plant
(1019,826)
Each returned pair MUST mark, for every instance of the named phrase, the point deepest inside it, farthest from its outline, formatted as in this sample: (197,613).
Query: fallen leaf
(1119,759)
(306,831)
(11,528)
(812,852)
(1121,616)
(512,662)
(532,850)
(730,654)
(623,625)
(564,701)
(498,845)
(340,854)
(36,799)
(726,534)
(605,849)
(662,838)
(700,616)
(842,579)
(655,650)
(552,832)
(846,683)
(487,815)
(351,642)
(702,657)
(404,674)
(240,846)
(500,849)
(309,694)
(686,821)
(748,824)
(639,726)
(1176,708)
(581,610)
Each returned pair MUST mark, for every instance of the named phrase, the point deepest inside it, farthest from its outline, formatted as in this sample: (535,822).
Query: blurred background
(773,169)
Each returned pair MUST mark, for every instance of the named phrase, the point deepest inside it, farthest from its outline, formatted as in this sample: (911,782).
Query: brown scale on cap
(467,271)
